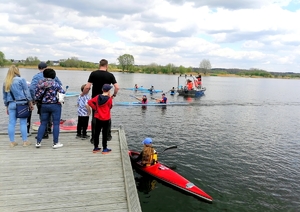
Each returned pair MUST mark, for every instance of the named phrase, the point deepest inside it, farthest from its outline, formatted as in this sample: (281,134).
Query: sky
(245,34)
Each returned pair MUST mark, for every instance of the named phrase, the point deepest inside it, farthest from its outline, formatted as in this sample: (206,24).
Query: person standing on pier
(102,105)
(36,78)
(98,78)
(15,90)
(83,112)
(46,92)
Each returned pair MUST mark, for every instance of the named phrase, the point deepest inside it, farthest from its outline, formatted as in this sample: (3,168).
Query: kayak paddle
(135,97)
(169,149)
(154,98)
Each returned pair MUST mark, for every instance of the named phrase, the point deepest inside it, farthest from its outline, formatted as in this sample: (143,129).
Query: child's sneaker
(96,150)
(57,145)
(38,145)
(78,136)
(106,151)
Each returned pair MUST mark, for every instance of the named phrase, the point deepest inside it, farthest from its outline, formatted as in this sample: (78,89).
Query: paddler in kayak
(136,86)
(151,89)
(172,91)
(163,99)
(143,100)
(148,156)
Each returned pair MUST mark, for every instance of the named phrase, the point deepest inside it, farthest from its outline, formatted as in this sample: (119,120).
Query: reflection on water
(145,184)
(239,142)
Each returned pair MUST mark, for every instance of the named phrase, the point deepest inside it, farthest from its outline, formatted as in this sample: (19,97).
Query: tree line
(126,63)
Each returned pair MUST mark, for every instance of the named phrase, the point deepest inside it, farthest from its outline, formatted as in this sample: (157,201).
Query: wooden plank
(70,178)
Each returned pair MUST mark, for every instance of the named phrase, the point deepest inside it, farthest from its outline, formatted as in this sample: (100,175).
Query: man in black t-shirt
(98,78)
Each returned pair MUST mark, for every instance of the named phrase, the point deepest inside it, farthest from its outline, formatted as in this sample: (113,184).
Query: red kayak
(70,124)
(169,176)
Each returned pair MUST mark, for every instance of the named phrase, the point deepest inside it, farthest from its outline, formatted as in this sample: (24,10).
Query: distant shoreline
(192,73)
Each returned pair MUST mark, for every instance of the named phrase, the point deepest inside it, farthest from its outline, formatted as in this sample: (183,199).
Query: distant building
(55,62)
(17,61)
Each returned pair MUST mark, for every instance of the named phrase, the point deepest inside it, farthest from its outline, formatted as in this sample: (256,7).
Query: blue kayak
(153,91)
(149,103)
(70,94)
(136,89)
(146,90)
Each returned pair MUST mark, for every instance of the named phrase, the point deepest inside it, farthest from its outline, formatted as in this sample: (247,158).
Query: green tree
(205,66)
(49,63)
(32,61)
(182,69)
(75,62)
(2,58)
(126,62)
(171,68)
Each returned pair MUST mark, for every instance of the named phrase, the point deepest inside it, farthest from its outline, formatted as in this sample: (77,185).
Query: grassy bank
(219,74)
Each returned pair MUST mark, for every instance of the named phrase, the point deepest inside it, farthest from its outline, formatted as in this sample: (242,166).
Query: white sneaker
(38,145)
(57,145)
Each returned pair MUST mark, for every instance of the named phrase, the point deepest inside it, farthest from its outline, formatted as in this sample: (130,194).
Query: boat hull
(167,175)
(191,93)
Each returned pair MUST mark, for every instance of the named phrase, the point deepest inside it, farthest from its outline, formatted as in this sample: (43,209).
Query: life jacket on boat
(149,156)
(144,101)
(190,85)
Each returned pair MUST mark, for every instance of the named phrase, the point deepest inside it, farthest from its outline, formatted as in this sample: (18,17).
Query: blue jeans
(12,123)
(47,111)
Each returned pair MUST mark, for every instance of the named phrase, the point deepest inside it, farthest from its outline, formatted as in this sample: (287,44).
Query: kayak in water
(167,175)
(70,94)
(149,103)
(66,125)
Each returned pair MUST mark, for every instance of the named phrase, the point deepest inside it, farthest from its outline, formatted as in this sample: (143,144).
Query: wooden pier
(70,178)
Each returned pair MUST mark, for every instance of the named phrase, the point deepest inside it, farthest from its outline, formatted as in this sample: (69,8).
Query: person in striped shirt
(84,112)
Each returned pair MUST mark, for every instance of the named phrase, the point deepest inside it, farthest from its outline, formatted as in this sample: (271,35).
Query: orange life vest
(149,156)
(190,85)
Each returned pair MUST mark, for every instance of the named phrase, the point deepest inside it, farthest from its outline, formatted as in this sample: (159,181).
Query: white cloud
(241,34)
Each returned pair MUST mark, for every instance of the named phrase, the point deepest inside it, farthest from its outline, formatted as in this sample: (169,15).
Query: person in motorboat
(163,99)
(143,100)
(198,82)
(189,84)
(148,156)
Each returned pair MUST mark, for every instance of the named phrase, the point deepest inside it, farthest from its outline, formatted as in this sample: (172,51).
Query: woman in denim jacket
(46,92)
(16,85)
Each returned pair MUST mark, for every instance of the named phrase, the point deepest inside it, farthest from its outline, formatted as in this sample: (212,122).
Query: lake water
(240,142)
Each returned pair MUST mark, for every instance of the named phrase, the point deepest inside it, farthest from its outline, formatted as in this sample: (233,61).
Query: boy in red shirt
(101,104)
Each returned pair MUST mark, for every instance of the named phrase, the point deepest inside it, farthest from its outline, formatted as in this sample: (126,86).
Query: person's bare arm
(116,88)
(86,88)
(88,109)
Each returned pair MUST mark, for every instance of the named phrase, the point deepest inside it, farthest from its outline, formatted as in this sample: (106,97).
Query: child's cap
(106,87)
(147,141)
